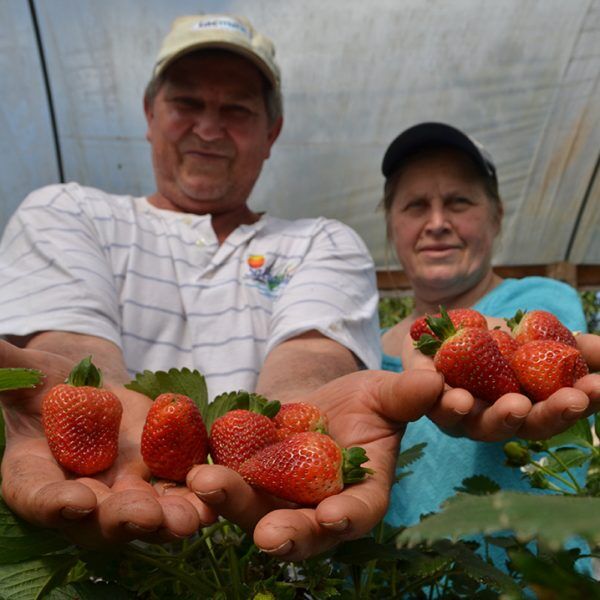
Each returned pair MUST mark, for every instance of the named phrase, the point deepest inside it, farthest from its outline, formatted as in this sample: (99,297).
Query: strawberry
(295,417)
(305,468)
(174,437)
(460,317)
(469,358)
(539,325)
(81,421)
(239,434)
(506,342)
(544,366)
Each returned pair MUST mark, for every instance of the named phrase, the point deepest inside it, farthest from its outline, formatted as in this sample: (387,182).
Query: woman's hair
(490,184)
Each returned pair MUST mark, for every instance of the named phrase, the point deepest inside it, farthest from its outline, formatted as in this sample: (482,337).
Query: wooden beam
(579,276)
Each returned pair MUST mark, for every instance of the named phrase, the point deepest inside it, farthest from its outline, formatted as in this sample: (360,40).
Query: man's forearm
(302,364)
(105,355)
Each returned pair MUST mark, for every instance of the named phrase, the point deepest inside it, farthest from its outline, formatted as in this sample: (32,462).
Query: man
(190,276)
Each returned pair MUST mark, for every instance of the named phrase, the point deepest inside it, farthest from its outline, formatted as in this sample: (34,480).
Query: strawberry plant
(436,558)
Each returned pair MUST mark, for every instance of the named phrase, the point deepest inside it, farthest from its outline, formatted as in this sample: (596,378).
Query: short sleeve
(332,291)
(54,274)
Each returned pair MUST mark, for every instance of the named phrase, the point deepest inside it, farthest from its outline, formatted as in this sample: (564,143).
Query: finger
(590,385)
(589,345)
(292,535)
(36,489)
(498,421)
(206,514)
(555,414)
(228,494)
(452,408)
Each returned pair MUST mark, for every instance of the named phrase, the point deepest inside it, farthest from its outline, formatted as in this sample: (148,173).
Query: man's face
(209,132)
(442,223)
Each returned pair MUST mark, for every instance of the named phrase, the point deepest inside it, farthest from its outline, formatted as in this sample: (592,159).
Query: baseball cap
(435,134)
(227,32)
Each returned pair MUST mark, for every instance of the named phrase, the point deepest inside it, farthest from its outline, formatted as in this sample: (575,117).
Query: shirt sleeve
(54,274)
(333,291)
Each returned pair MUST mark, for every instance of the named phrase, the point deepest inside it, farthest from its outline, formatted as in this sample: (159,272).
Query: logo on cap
(222,23)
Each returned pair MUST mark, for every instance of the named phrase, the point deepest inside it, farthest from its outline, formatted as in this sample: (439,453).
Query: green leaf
(14,379)
(88,590)
(21,541)
(569,457)
(32,579)
(410,455)
(239,400)
(476,568)
(551,519)
(176,381)
(580,434)
(478,485)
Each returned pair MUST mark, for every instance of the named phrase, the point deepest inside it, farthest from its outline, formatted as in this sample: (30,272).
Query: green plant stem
(557,458)
(178,574)
(556,476)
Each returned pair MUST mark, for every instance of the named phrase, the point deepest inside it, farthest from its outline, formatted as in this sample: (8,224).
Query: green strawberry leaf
(14,379)
(89,590)
(21,541)
(579,434)
(442,326)
(478,485)
(176,381)
(34,578)
(566,458)
(85,373)
(427,344)
(239,400)
(410,455)
(552,519)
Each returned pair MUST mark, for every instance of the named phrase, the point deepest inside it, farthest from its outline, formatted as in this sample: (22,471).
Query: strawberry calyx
(514,321)
(352,459)
(442,328)
(85,373)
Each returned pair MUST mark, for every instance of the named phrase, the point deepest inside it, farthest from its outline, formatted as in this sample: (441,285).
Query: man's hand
(366,408)
(514,414)
(115,506)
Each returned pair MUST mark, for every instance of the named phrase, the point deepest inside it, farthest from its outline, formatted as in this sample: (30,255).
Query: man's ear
(149,112)
(273,134)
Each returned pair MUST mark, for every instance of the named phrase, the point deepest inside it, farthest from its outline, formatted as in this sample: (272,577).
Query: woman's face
(442,223)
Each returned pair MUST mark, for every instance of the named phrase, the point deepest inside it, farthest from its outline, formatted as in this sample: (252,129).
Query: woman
(444,213)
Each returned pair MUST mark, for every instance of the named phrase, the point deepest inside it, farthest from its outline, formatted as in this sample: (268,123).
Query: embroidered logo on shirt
(261,275)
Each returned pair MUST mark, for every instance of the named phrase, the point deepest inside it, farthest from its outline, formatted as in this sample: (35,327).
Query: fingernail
(279,550)
(73,514)
(213,497)
(573,413)
(138,529)
(337,526)
(513,420)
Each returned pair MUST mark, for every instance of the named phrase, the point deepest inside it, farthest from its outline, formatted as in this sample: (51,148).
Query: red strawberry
(532,325)
(305,468)
(469,358)
(174,438)
(237,435)
(460,317)
(506,342)
(81,421)
(544,366)
(299,416)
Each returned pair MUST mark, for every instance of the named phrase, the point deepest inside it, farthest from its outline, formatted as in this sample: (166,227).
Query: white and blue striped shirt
(157,283)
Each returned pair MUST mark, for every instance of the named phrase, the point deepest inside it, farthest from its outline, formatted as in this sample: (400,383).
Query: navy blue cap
(426,135)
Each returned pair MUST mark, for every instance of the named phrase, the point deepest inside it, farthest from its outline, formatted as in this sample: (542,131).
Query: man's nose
(208,125)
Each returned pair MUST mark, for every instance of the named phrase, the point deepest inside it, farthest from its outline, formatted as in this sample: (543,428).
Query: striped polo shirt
(157,283)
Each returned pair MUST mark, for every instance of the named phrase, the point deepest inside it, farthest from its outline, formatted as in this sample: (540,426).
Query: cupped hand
(117,505)
(368,409)
(515,414)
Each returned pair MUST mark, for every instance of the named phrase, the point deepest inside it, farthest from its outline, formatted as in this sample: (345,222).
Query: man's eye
(237,110)
(460,203)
